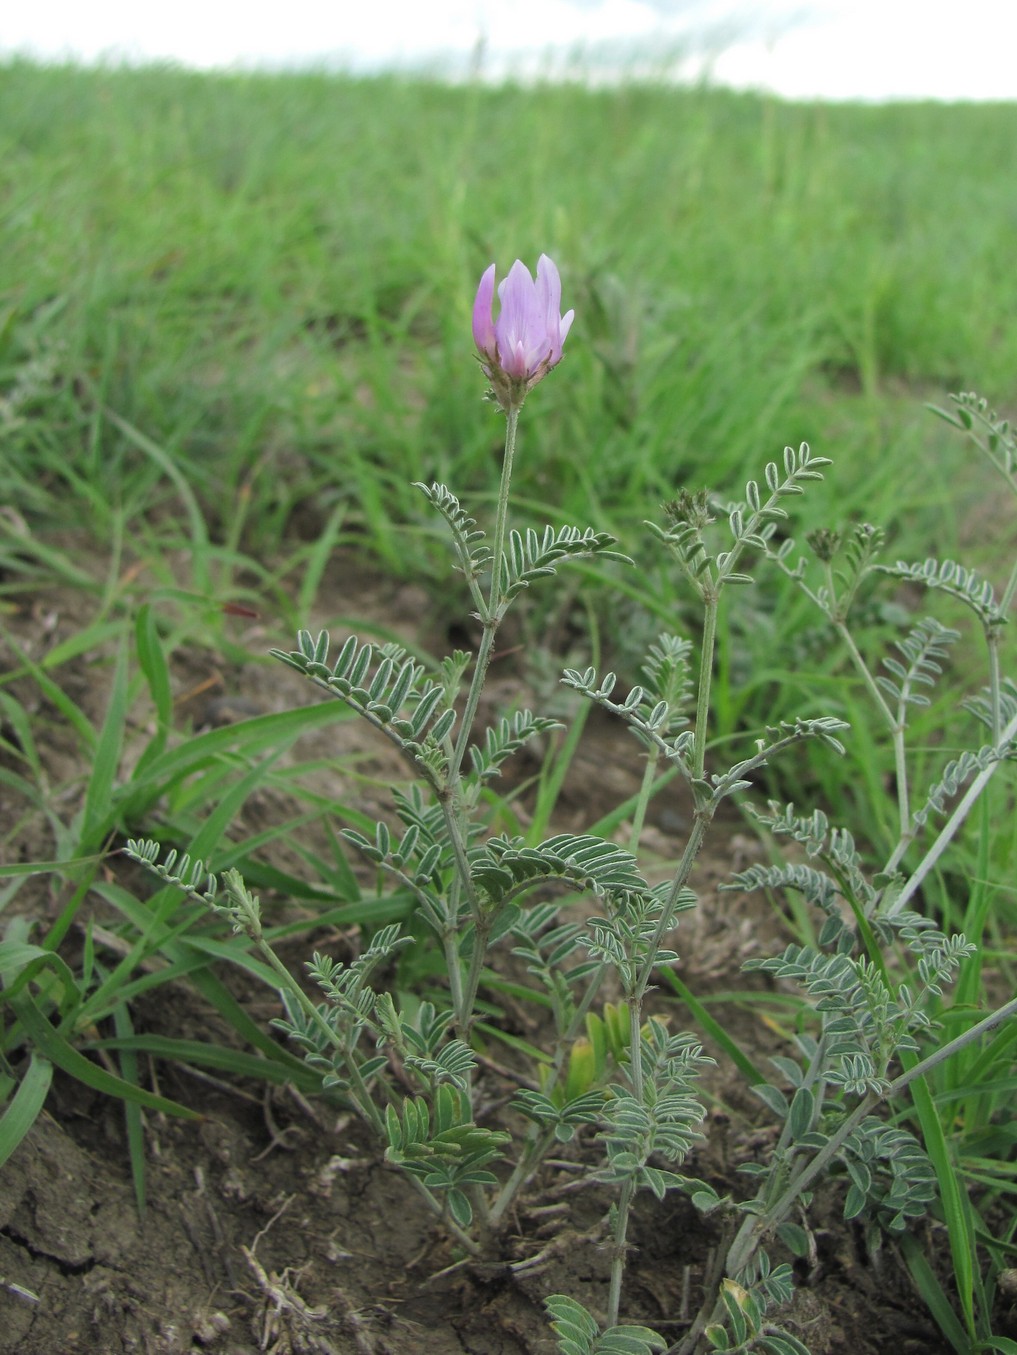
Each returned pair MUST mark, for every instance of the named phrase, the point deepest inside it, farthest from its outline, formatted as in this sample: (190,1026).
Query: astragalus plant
(578,913)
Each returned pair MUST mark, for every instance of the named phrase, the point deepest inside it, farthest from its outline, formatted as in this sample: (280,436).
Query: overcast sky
(839,49)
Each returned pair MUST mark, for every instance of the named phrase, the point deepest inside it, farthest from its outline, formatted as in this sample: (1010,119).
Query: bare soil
(273,1223)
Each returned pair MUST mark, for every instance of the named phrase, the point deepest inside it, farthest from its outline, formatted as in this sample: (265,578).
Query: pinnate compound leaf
(957,773)
(507,737)
(377,682)
(585,861)
(780,1343)
(468,541)
(948,576)
(924,648)
(578,1332)
(530,556)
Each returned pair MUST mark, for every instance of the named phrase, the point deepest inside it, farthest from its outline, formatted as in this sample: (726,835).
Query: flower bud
(519,348)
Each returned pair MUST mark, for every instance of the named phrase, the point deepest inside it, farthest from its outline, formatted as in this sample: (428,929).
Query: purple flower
(519,348)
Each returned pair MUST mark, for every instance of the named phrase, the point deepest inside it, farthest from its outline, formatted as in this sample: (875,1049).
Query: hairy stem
(452,799)
(495,608)
(711,603)
(952,825)
(618,1260)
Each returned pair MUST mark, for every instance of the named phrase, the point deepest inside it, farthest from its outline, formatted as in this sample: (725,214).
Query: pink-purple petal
(483,322)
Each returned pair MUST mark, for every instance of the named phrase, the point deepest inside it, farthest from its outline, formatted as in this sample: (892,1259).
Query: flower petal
(549,287)
(483,321)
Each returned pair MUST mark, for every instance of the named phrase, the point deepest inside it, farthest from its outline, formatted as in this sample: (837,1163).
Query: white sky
(839,49)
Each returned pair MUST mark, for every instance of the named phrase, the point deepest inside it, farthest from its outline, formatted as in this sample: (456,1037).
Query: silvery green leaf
(773,1097)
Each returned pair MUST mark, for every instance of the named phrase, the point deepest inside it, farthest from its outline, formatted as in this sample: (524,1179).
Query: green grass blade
(22,963)
(313,567)
(169,467)
(90,638)
(370,912)
(933,1295)
(213,830)
(173,946)
(24,868)
(99,815)
(956,1205)
(235,954)
(553,774)
(247,736)
(215,992)
(27,1102)
(152,661)
(54,1047)
(54,693)
(235,1061)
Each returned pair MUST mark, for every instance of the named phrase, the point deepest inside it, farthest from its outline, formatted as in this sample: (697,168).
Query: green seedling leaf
(248,737)
(956,1206)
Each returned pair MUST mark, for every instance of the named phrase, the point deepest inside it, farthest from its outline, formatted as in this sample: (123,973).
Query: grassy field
(235,328)
(270,277)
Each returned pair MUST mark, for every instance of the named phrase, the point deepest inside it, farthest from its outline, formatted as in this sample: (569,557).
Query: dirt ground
(273,1224)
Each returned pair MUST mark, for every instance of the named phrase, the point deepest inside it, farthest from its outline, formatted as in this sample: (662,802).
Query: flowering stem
(453,802)
(495,608)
